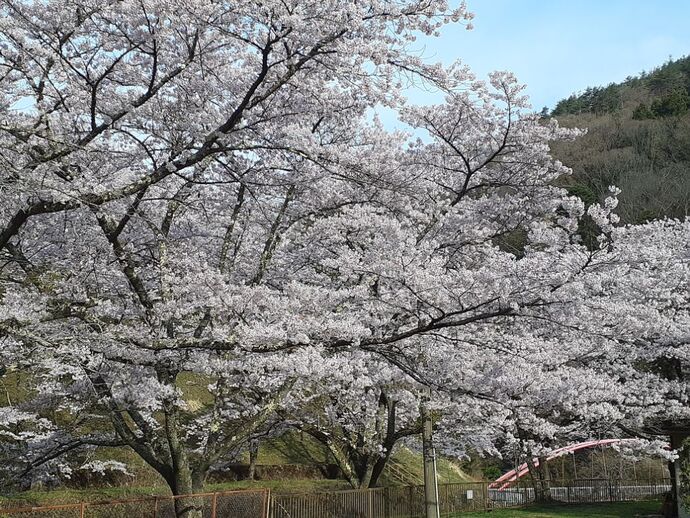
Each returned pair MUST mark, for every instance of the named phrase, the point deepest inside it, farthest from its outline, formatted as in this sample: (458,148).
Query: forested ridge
(638,138)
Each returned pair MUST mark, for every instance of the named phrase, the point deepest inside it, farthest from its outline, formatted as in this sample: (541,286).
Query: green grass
(292,447)
(284,486)
(297,448)
(618,510)
(448,471)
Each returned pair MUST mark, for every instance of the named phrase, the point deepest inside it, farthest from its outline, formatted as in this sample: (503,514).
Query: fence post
(82,510)
(567,488)
(155,507)
(267,507)
(386,502)
(214,504)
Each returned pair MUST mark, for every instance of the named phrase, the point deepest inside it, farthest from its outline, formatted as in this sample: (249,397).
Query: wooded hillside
(638,139)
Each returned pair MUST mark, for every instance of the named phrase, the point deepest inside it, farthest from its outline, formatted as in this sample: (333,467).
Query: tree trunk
(253,458)
(344,463)
(182,477)
(390,438)
(365,471)
(187,507)
(379,466)
(541,479)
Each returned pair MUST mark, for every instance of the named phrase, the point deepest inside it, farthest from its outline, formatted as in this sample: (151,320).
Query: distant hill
(638,139)
(664,91)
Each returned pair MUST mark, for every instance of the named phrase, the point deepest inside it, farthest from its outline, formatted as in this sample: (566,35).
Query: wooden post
(82,510)
(267,507)
(386,502)
(412,509)
(214,504)
(155,507)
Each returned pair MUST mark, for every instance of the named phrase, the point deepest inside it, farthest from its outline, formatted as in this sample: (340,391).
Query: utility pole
(429,454)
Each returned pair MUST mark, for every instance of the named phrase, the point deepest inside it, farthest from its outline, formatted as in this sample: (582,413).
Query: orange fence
(224,504)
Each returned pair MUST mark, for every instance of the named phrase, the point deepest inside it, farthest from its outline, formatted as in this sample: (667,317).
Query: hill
(638,139)
(664,92)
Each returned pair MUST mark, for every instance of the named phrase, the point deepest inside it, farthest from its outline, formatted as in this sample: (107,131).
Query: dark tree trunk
(379,467)
(389,441)
(253,458)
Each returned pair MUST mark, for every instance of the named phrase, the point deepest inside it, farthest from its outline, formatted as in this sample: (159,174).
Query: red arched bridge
(505,480)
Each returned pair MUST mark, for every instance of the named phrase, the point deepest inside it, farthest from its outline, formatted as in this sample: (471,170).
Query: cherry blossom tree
(639,300)
(195,201)
(155,154)
(360,412)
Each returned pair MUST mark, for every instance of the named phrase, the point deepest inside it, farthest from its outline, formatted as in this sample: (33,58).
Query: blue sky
(558,47)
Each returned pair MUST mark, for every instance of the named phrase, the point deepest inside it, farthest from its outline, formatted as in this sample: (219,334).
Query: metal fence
(581,491)
(602,490)
(385,502)
(224,504)
(408,501)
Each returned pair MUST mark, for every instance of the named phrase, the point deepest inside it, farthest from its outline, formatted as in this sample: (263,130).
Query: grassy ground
(618,510)
(448,471)
(298,448)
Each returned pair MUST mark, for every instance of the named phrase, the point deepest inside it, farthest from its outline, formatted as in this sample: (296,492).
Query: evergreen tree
(642,112)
